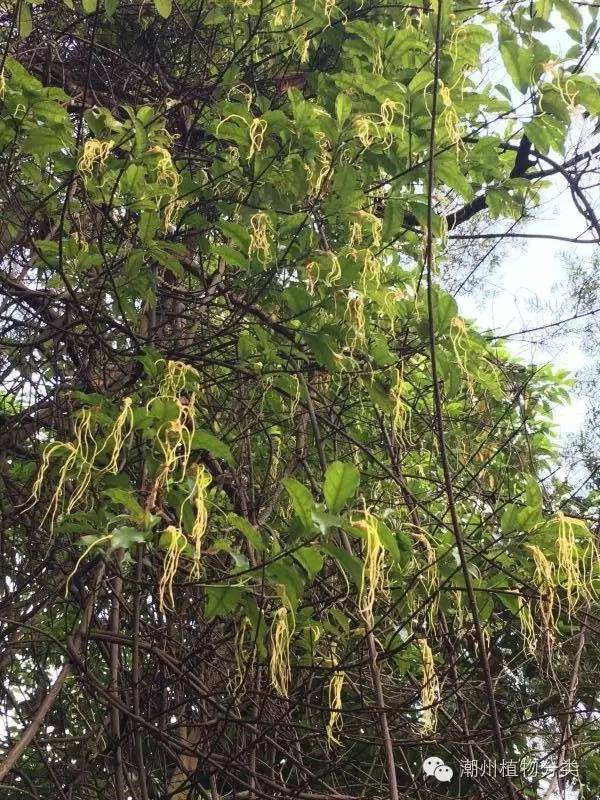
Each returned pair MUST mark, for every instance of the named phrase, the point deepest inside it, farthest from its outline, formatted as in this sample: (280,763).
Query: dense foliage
(273,516)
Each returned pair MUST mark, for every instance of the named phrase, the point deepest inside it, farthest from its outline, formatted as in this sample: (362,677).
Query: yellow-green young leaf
(89,6)
(163,7)
(341,483)
(24,20)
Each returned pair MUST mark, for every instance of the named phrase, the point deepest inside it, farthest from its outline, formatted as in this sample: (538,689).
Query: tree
(273,521)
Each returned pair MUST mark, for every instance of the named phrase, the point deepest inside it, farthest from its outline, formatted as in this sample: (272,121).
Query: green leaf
(445,309)
(450,172)
(398,544)
(301,500)
(127,500)
(509,600)
(215,17)
(546,133)
(125,537)
(350,564)
(326,521)
(285,572)
(159,251)
(570,14)
(205,440)
(311,559)
(42,141)
(393,217)
(543,8)
(422,80)
(343,108)
(249,531)
(24,20)
(149,224)
(240,562)
(518,62)
(89,6)
(221,600)
(341,483)
(381,353)
(164,7)
(164,410)
(322,346)
(238,233)
(518,518)
(533,494)
(231,256)
(485,604)
(380,395)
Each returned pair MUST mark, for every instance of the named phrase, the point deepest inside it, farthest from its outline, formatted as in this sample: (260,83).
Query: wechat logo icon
(434,767)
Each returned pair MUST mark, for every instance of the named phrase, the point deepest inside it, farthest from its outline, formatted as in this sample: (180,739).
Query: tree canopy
(276,518)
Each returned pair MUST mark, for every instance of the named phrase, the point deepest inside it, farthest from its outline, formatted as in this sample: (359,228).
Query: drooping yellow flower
(544,579)
(175,546)
(95,153)
(429,689)
(202,481)
(335,723)
(257,130)
(373,569)
(120,433)
(259,236)
(282,629)
(574,567)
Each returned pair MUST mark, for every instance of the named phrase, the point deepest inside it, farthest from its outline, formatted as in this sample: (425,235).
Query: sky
(524,292)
